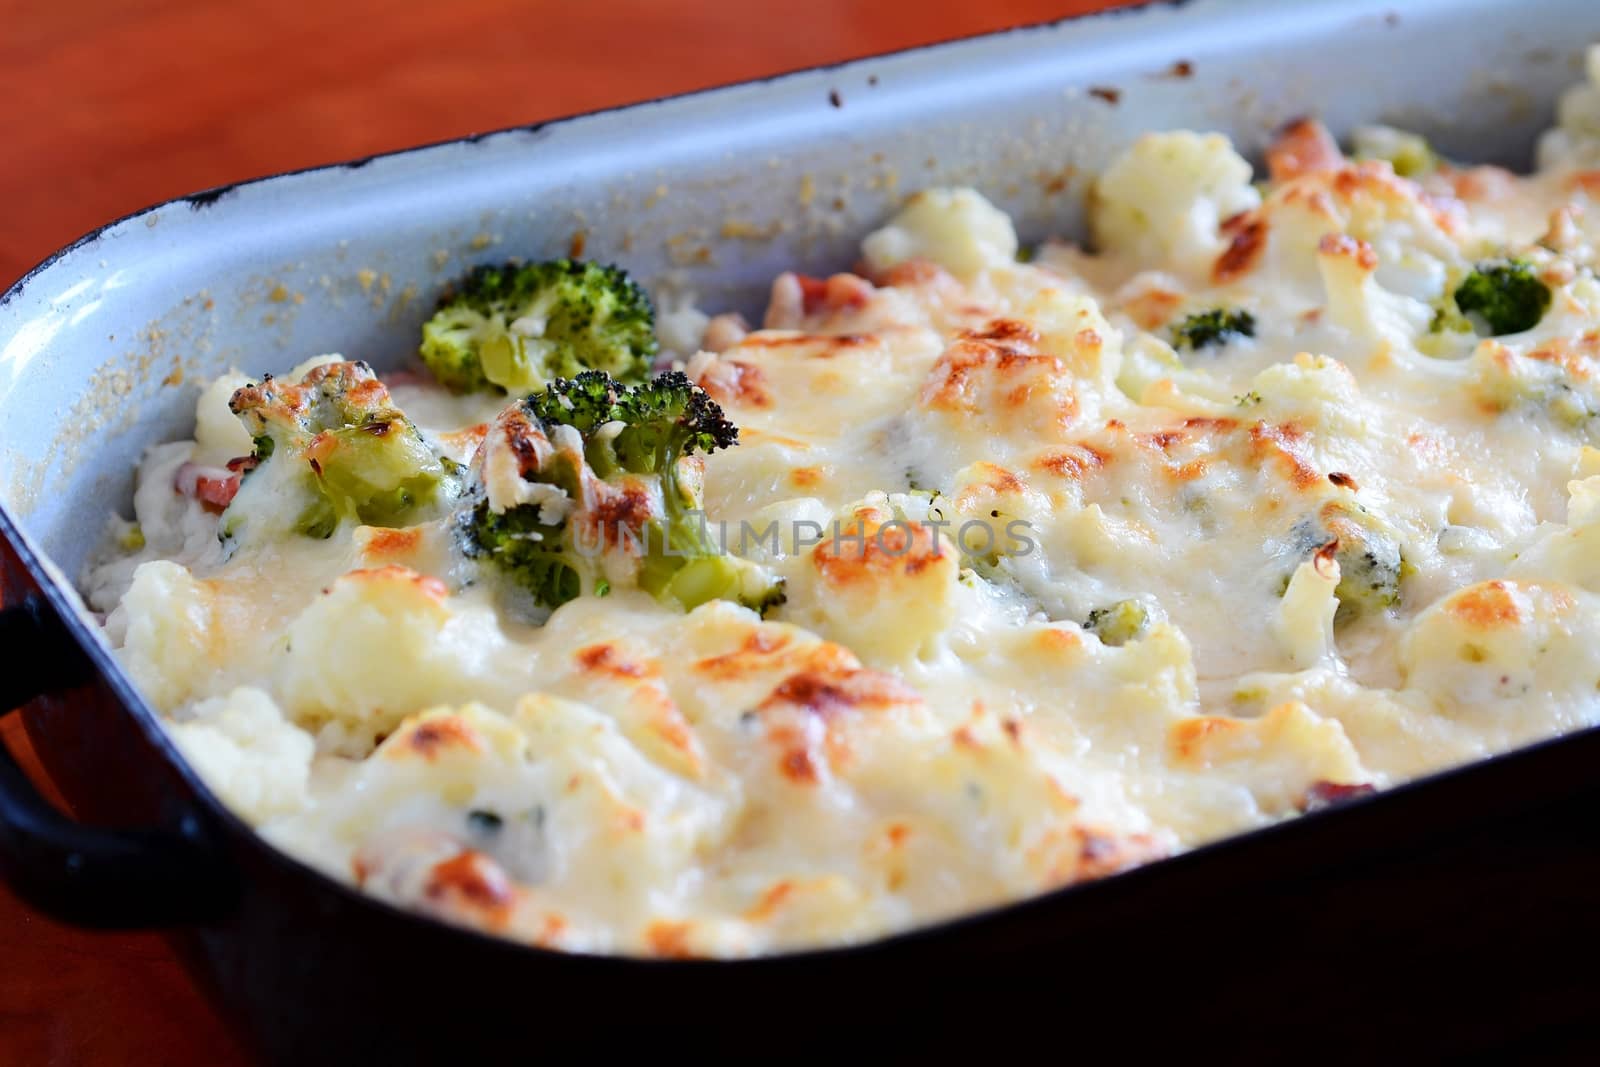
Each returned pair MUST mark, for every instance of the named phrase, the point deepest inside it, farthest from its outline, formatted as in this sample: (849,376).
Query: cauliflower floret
(1143,682)
(659,820)
(1304,623)
(1575,140)
(383,643)
(1508,645)
(1571,553)
(1316,387)
(882,585)
(218,434)
(956,228)
(1583,495)
(551,795)
(1355,300)
(680,324)
(1163,201)
(1074,328)
(168,633)
(1409,243)
(1004,381)
(1279,757)
(1001,791)
(249,753)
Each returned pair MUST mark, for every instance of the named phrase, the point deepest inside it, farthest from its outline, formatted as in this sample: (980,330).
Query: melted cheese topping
(1348,549)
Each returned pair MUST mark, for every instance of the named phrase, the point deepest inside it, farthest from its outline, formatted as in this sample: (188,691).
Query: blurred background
(113,105)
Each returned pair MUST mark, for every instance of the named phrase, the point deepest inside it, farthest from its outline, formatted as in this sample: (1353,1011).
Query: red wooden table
(111,106)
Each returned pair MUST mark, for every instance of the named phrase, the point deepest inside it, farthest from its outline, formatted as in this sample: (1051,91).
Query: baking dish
(727,188)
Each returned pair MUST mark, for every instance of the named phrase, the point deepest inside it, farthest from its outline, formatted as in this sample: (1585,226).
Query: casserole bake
(996,928)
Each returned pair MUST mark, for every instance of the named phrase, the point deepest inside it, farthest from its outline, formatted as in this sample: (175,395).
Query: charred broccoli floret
(1503,296)
(1119,623)
(517,328)
(1217,326)
(328,448)
(591,483)
(1371,564)
(534,553)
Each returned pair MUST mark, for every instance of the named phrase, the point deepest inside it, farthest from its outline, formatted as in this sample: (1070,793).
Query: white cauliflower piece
(1571,553)
(1318,387)
(882,585)
(576,809)
(956,228)
(661,819)
(1507,645)
(1575,139)
(1279,757)
(1304,622)
(244,748)
(1357,303)
(1163,201)
(1074,328)
(218,434)
(168,634)
(680,324)
(1583,499)
(383,643)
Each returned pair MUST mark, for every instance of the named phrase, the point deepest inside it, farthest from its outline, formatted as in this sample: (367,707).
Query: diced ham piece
(214,487)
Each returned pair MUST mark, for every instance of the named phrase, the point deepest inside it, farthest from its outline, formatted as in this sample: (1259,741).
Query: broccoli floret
(328,448)
(1217,326)
(535,554)
(1505,295)
(1119,623)
(604,482)
(659,422)
(517,328)
(1371,564)
(1447,318)
(1408,153)
(1449,332)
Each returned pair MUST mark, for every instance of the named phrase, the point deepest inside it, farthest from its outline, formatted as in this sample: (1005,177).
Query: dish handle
(89,875)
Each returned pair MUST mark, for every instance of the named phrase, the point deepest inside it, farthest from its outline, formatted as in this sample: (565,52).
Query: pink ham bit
(214,487)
